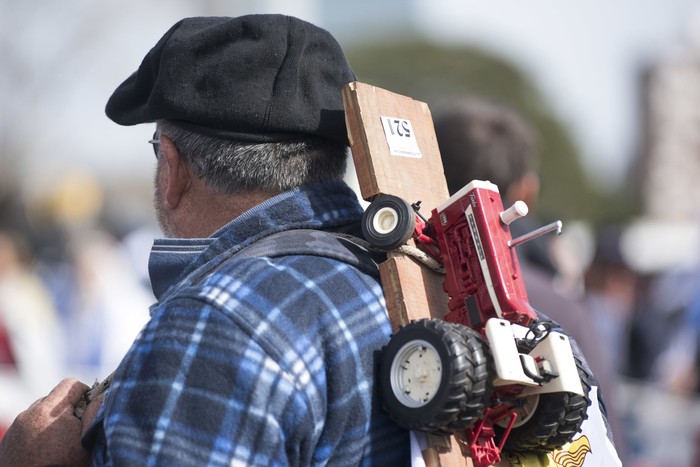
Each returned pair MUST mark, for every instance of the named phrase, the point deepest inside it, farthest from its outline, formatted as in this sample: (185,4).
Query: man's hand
(47,433)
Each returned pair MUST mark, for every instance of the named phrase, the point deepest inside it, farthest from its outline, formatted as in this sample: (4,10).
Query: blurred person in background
(662,409)
(664,345)
(483,140)
(611,292)
(94,287)
(31,339)
(678,366)
(267,359)
(663,356)
(663,335)
(110,305)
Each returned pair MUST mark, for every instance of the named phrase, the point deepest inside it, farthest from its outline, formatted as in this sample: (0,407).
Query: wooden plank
(413,292)
(392,157)
(378,170)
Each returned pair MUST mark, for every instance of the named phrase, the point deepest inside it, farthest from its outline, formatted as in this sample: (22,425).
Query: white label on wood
(400,136)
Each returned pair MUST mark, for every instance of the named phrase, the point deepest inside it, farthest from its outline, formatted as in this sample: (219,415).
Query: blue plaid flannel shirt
(264,361)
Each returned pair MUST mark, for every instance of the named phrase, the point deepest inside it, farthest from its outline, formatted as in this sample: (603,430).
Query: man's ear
(177,176)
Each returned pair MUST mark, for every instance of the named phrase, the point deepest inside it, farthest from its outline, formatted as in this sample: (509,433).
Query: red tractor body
(483,278)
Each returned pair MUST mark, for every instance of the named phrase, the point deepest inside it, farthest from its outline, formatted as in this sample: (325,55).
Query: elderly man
(260,349)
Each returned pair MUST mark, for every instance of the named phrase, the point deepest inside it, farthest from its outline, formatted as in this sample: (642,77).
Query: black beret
(257,78)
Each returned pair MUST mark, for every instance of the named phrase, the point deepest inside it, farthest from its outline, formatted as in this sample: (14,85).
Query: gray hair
(232,167)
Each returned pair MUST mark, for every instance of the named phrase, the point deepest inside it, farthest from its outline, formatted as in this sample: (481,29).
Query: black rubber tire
(397,232)
(557,418)
(576,413)
(439,414)
(479,396)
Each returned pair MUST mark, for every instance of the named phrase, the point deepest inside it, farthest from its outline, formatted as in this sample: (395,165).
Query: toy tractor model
(481,365)
(491,367)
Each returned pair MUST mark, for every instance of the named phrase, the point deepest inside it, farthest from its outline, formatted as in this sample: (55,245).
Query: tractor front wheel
(388,222)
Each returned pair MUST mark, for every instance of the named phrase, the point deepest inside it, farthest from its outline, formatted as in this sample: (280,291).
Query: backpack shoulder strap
(342,247)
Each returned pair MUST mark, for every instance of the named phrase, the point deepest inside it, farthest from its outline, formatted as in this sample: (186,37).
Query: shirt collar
(330,206)
(169,257)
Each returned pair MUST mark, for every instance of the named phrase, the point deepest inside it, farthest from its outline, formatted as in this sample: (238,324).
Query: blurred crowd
(73,291)
(648,328)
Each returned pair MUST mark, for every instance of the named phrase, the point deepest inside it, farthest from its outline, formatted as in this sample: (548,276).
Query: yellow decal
(574,455)
(570,455)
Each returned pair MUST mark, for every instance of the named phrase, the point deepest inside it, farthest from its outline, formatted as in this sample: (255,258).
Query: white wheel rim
(525,412)
(385,220)
(416,372)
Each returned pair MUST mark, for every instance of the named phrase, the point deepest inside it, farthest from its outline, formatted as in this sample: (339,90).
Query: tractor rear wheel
(548,421)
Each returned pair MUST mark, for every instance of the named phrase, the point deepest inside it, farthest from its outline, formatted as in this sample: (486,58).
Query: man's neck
(201,216)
